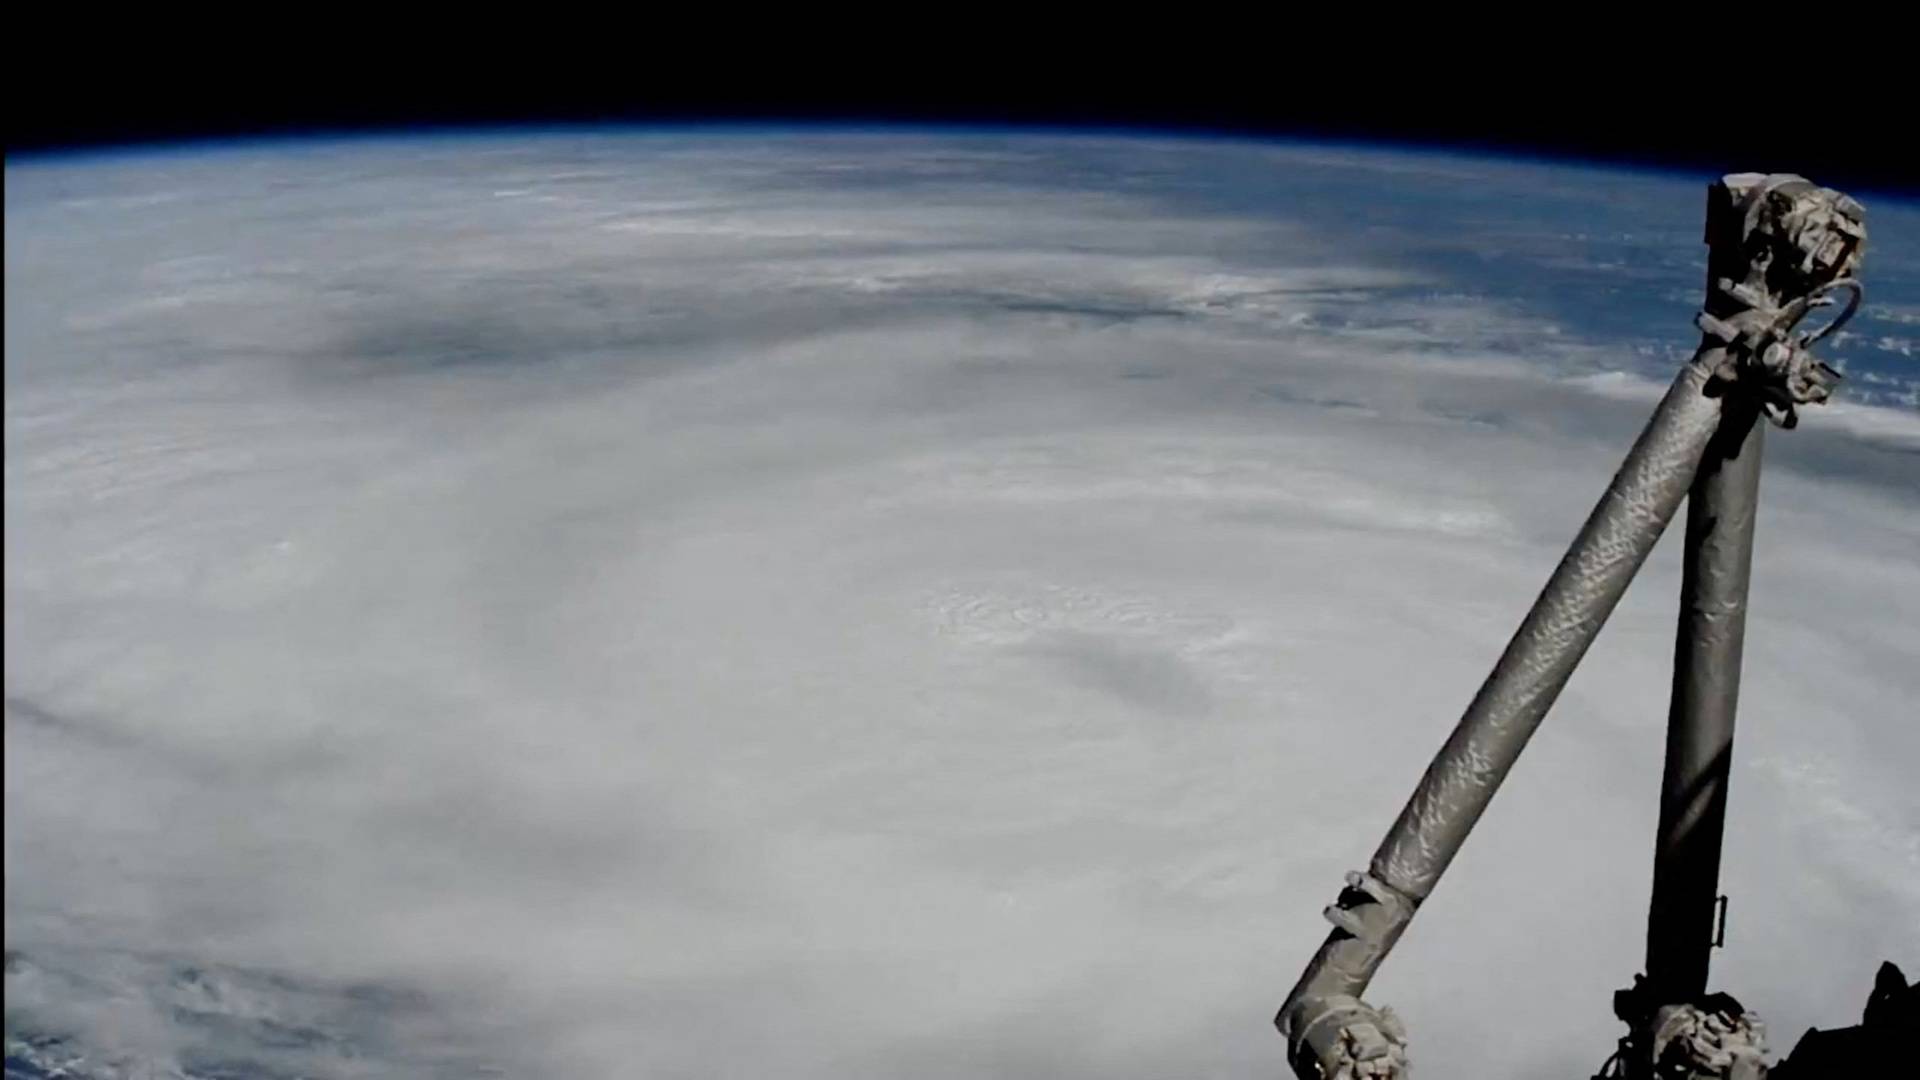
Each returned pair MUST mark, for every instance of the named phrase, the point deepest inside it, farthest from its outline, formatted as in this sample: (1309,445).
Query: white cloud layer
(847,608)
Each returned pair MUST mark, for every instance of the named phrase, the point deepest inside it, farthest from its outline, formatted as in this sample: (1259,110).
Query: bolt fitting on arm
(1344,1038)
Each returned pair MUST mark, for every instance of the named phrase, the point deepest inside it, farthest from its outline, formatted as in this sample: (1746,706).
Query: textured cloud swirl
(879,606)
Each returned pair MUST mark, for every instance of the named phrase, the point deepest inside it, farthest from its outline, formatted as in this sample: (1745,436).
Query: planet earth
(874,603)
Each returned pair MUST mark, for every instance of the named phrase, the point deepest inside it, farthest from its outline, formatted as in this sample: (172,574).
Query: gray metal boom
(1779,246)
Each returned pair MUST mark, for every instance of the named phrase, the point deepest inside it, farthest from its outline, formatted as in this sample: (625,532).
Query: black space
(1775,107)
